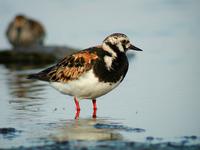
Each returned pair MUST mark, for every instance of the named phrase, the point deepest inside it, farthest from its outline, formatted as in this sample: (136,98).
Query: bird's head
(119,41)
(20,22)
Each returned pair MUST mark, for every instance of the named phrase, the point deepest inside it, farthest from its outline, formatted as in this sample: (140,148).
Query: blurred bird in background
(25,32)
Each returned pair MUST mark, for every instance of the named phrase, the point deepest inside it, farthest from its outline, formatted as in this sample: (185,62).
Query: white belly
(87,86)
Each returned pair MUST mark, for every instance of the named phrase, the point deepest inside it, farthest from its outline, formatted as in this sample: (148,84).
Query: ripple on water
(118,127)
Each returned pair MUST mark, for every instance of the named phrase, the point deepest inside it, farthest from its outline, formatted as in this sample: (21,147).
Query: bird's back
(69,68)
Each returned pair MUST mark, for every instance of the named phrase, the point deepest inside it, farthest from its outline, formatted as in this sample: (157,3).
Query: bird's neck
(114,58)
(113,65)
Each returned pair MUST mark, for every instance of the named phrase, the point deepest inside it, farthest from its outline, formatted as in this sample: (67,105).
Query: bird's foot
(94,115)
(77,114)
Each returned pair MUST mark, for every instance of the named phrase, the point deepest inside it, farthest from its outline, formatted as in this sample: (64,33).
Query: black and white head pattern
(117,41)
(114,44)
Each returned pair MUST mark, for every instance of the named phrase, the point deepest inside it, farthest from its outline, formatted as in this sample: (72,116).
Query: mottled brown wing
(36,28)
(73,67)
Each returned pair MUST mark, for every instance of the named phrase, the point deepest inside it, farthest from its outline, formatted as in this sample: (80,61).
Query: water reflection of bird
(24,95)
(25,32)
(90,73)
(19,86)
(84,129)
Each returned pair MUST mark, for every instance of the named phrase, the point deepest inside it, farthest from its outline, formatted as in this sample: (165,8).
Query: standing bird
(25,32)
(92,72)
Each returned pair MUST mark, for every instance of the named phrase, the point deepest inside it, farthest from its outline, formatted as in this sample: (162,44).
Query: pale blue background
(161,92)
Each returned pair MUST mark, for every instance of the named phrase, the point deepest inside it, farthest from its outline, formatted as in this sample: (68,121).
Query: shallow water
(41,115)
(157,102)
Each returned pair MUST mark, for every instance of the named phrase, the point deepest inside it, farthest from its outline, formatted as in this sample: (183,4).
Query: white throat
(109,59)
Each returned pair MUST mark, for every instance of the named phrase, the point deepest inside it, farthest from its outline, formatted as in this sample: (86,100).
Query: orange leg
(77,108)
(77,114)
(94,108)
(77,104)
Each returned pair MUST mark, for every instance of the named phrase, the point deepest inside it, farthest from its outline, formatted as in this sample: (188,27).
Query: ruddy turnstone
(92,72)
(25,32)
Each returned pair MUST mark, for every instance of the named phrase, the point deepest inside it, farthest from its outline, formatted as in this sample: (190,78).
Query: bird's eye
(124,41)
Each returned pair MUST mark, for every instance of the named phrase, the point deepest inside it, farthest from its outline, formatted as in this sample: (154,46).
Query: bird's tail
(43,75)
(39,76)
(32,76)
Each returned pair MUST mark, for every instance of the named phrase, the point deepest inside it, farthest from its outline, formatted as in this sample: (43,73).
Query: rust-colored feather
(71,68)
